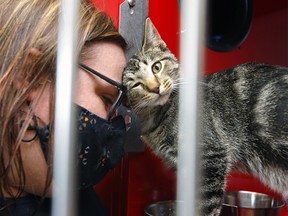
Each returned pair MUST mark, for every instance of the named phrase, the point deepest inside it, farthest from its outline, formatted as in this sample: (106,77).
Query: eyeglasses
(121,89)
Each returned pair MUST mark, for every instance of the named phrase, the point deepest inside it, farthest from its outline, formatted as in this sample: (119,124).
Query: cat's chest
(148,123)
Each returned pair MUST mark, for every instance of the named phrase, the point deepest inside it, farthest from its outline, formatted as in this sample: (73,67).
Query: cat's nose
(153,85)
(156,90)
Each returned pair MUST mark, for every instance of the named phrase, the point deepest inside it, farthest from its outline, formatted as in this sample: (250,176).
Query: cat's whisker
(180,79)
(180,83)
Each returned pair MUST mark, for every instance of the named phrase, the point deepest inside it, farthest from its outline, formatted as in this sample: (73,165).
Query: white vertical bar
(191,61)
(64,157)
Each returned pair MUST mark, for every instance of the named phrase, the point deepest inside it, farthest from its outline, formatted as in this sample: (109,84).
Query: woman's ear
(20,79)
(33,54)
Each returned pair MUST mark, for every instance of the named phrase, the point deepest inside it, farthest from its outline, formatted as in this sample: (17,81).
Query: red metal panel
(165,16)
(111,7)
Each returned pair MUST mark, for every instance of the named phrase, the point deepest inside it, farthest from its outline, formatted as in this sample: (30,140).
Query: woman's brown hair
(32,25)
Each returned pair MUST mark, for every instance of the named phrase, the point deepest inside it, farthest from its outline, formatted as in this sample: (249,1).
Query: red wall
(142,178)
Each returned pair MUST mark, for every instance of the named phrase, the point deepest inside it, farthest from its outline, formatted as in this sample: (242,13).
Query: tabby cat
(244,117)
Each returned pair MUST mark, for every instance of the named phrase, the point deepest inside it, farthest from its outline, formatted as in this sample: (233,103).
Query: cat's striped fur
(244,118)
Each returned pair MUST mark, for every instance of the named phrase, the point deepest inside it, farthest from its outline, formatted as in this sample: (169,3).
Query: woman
(28,39)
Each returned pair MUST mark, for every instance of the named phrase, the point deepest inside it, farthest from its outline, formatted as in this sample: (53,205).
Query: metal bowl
(236,203)
(163,208)
(246,203)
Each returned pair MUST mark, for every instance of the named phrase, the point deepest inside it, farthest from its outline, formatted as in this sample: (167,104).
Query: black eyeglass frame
(122,89)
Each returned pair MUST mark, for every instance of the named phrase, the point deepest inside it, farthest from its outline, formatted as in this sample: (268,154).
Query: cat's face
(152,74)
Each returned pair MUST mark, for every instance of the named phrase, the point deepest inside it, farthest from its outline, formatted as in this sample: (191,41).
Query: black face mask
(100,145)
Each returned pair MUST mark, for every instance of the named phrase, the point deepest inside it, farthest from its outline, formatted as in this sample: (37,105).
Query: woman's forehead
(108,59)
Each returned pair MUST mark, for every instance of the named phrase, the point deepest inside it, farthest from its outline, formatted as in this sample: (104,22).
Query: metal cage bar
(64,174)
(192,22)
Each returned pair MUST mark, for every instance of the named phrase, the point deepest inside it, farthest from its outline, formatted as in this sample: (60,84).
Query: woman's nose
(101,111)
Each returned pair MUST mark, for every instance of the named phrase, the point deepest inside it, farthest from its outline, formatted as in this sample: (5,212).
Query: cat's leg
(212,191)
(163,141)
(214,168)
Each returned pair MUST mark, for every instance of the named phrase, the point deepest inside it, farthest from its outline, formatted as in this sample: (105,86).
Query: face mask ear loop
(42,133)
(30,128)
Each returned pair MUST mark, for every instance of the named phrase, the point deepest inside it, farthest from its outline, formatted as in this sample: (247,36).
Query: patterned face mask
(100,144)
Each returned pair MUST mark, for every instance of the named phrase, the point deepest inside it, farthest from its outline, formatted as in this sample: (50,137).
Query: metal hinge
(133,14)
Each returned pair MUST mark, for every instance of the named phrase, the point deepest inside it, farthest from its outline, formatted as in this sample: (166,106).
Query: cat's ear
(152,37)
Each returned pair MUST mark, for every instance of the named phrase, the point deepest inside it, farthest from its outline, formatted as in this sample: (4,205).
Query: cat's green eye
(156,67)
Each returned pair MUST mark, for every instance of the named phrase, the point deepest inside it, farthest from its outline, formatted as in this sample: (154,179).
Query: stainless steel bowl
(246,203)
(164,208)
(236,203)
